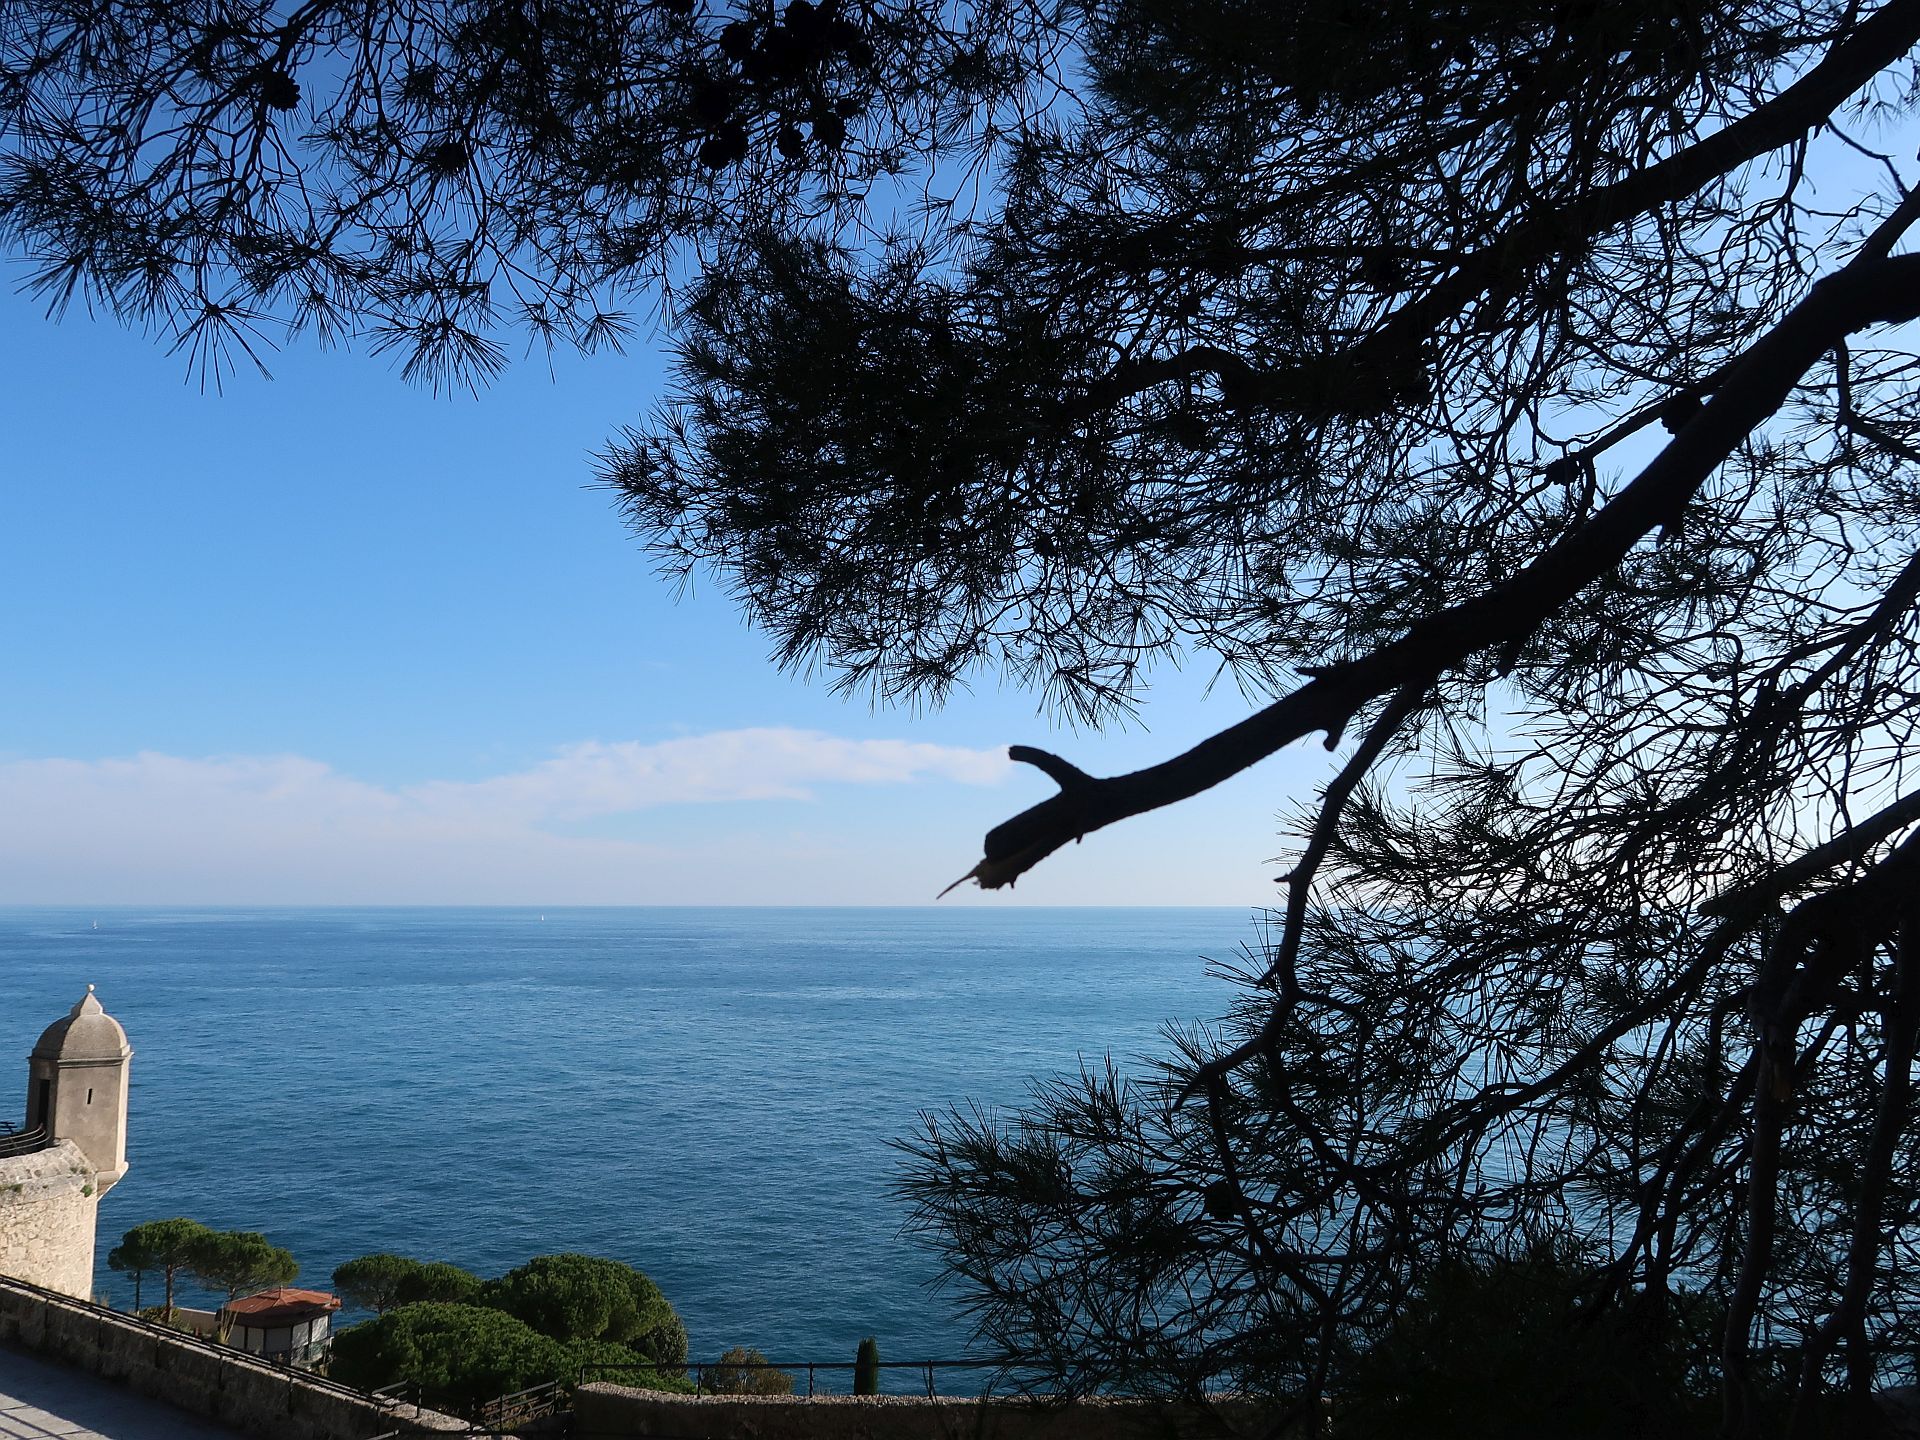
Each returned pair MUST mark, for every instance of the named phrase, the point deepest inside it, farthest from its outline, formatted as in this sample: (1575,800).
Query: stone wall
(213,1381)
(606,1411)
(47,1209)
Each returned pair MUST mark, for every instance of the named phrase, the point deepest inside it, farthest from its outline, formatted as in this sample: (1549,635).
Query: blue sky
(331,639)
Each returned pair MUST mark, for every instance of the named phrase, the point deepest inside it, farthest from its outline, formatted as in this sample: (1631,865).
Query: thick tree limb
(1849,846)
(1869,291)
(1847,1321)
(1822,938)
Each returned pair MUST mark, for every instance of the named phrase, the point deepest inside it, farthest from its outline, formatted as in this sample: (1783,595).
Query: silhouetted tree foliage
(1483,384)
(413,173)
(131,1260)
(1523,1347)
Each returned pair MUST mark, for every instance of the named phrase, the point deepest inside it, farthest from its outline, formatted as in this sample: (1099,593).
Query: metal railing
(702,1370)
(22,1142)
(401,1392)
(510,1412)
(499,1416)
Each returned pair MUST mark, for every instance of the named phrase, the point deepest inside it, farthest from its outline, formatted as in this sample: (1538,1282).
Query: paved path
(39,1399)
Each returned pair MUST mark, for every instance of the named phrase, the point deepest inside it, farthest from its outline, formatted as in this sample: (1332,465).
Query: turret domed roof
(87,1033)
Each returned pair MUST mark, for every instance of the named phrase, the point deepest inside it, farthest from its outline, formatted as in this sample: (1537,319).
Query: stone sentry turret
(77,1086)
(71,1151)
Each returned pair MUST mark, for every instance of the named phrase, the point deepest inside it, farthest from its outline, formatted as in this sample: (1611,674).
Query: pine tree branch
(1849,846)
(1803,106)
(1869,291)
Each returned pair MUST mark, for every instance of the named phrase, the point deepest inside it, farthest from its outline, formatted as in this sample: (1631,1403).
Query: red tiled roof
(282,1306)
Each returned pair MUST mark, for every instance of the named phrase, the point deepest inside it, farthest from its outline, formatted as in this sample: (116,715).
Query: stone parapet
(606,1411)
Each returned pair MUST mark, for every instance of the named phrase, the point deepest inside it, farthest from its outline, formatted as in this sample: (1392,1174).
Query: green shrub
(460,1355)
(170,1317)
(581,1297)
(737,1373)
(866,1367)
(625,1367)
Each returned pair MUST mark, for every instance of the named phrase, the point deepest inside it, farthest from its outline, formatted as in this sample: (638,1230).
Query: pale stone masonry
(50,1187)
(47,1204)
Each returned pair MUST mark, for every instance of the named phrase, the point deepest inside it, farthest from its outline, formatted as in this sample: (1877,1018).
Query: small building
(285,1324)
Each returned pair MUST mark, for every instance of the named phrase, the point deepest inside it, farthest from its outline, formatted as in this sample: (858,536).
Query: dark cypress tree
(866,1367)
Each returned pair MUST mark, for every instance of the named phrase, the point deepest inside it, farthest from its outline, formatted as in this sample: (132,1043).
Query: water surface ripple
(704,1093)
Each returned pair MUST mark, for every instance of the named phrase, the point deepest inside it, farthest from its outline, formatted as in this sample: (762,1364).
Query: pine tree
(164,1246)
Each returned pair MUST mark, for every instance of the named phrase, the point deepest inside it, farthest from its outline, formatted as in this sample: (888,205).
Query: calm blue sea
(705,1093)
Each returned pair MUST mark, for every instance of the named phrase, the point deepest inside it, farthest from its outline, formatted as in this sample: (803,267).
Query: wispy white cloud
(260,829)
(595,778)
